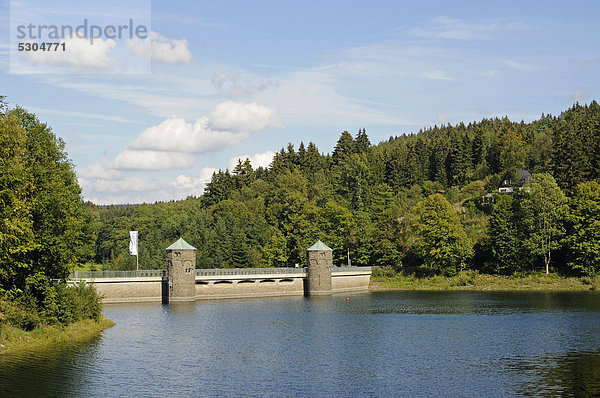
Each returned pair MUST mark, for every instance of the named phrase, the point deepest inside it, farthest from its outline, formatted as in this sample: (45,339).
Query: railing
(204,272)
(248,271)
(119,274)
(349,269)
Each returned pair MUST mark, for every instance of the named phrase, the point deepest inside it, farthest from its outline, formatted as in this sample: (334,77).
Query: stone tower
(320,261)
(181,271)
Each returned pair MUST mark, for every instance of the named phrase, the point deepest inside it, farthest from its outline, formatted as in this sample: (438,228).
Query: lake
(373,344)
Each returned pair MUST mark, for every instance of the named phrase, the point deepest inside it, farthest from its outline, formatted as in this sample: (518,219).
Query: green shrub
(19,315)
(386,272)
(50,302)
(86,301)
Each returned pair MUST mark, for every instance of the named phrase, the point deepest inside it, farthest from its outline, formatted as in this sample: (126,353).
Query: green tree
(513,151)
(362,141)
(584,238)
(344,147)
(54,226)
(16,223)
(440,241)
(545,207)
(505,237)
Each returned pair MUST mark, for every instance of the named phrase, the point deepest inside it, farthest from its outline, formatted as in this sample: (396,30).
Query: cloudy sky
(227,79)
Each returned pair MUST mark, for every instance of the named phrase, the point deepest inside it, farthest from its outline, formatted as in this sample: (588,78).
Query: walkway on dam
(213,273)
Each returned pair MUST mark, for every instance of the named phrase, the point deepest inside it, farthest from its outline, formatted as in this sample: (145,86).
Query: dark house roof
(523,176)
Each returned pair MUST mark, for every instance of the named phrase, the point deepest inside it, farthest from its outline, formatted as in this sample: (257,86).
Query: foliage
(426,202)
(584,237)
(387,279)
(545,208)
(16,221)
(360,200)
(48,302)
(45,227)
(506,235)
(45,230)
(440,241)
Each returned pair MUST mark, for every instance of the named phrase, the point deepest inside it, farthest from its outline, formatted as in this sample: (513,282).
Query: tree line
(426,202)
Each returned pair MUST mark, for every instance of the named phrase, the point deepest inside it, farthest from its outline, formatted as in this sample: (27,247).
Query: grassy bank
(384,279)
(13,339)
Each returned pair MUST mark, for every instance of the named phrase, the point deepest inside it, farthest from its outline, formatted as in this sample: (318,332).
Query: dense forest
(425,202)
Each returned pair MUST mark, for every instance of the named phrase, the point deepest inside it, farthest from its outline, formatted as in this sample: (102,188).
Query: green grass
(13,339)
(385,279)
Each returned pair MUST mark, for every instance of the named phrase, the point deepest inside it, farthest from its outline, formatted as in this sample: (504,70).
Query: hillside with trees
(425,203)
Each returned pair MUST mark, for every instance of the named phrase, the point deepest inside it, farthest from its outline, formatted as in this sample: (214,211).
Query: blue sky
(245,78)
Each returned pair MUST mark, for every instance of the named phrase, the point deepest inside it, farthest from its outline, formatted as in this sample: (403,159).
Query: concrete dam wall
(182,282)
(152,286)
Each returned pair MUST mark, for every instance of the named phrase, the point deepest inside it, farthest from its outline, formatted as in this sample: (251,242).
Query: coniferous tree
(362,141)
(344,147)
(506,239)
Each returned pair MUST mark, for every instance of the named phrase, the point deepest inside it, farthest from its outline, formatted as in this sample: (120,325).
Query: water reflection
(44,373)
(374,344)
(570,374)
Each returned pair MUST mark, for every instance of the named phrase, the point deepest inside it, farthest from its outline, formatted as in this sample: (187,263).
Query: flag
(133,238)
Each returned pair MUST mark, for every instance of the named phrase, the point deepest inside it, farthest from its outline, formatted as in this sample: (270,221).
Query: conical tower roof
(180,244)
(319,246)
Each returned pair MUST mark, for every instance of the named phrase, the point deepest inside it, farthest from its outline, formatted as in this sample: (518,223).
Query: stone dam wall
(153,286)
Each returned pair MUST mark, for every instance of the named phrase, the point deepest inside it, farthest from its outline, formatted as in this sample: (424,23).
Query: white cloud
(82,115)
(175,134)
(436,75)
(100,170)
(161,49)
(520,66)
(132,184)
(455,29)
(237,116)
(79,54)
(228,83)
(219,79)
(227,124)
(489,73)
(153,160)
(257,160)
(193,185)
(311,96)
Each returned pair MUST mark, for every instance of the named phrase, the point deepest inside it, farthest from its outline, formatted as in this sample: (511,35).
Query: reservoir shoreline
(14,340)
(384,280)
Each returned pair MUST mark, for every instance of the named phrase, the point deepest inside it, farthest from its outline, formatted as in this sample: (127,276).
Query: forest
(425,202)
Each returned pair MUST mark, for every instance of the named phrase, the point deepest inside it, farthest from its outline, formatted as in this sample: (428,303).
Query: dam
(182,282)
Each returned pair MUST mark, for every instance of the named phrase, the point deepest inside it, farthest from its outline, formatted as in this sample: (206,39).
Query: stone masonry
(320,262)
(181,271)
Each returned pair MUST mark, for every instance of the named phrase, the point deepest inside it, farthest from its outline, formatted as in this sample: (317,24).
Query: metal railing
(119,274)
(248,271)
(350,269)
(204,272)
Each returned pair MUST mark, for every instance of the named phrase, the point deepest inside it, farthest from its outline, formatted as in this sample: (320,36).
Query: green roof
(181,245)
(319,246)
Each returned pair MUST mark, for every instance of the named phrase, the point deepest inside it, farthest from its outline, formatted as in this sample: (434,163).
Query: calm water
(375,344)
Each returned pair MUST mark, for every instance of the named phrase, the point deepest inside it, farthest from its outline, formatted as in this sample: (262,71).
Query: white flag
(133,238)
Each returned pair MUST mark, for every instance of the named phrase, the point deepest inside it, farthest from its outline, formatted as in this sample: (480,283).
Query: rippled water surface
(374,344)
